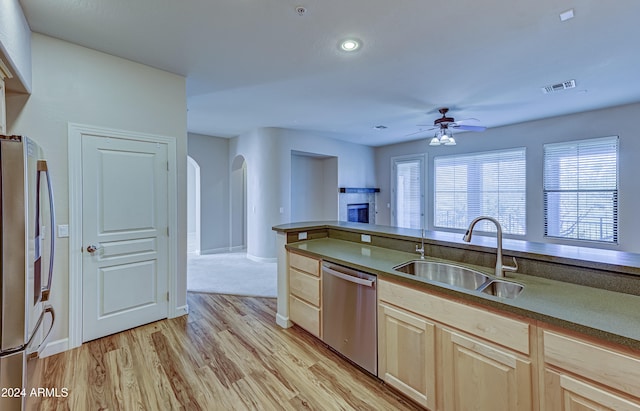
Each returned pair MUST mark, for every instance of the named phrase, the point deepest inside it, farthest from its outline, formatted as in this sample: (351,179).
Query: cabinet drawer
(305,286)
(306,264)
(305,315)
(497,328)
(612,368)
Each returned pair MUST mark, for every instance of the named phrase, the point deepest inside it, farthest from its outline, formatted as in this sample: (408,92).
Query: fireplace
(358,213)
(357,204)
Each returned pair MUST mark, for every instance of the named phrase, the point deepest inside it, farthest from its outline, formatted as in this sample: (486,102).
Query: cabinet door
(566,393)
(304,286)
(406,353)
(305,315)
(478,376)
(590,361)
(303,263)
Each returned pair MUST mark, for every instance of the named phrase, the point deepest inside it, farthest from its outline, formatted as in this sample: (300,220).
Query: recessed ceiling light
(350,45)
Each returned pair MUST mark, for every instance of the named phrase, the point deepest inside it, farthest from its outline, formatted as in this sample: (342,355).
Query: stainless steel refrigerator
(26,265)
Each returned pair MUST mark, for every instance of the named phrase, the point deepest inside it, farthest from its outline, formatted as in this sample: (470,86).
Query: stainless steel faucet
(420,249)
(500,269)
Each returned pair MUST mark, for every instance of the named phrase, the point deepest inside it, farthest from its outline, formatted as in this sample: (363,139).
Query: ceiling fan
(444,124)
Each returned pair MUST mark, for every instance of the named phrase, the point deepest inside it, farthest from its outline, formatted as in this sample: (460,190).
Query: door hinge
(167,295)
(167,231)
(167,166)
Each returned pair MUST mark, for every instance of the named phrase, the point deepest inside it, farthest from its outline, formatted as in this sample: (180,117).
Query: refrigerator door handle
(42,168)
(47,309)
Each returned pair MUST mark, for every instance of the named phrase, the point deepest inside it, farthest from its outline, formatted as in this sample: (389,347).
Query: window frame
(521,150)
(615,195)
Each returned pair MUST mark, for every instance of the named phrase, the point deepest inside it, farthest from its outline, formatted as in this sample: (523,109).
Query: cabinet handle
(347,277)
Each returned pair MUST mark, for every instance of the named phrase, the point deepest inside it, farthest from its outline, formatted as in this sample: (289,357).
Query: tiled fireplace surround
(357,196)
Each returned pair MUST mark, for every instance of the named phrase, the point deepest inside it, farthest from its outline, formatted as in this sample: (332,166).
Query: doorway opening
(193,207)
(238,205)
(314,187)
(230,271)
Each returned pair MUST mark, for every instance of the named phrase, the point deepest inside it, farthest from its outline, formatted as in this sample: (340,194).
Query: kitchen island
(577,305)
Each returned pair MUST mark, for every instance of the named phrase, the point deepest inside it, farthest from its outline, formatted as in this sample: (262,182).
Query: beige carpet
(231,273)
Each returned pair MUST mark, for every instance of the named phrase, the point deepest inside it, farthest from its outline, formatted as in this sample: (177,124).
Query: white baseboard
(55,347)
(223,250)
(283,321)
(180,311)
(214,251)
(262,259)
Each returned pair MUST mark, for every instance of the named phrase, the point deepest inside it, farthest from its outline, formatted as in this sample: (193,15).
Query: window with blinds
(490,184)
(581,190)
(408,192)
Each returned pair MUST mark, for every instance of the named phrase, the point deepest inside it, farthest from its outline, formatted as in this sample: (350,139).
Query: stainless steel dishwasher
(349,314)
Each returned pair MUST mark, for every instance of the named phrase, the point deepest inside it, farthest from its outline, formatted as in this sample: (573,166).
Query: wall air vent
(565,85)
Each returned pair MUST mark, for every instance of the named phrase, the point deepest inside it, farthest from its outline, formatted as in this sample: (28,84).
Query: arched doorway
(193,207)
(238,204)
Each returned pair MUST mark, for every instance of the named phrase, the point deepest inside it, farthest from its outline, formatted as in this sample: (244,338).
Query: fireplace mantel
(358,190)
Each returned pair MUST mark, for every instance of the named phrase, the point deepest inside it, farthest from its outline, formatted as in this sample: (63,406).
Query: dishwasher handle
(347,277)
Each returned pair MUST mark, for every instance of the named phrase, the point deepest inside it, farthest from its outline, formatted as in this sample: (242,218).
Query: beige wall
(78,85)
(211,154)
(616,121)
(267,152)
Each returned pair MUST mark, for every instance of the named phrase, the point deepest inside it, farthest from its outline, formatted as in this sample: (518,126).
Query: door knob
(92,248)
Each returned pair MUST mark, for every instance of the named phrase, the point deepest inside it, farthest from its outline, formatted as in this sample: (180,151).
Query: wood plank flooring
(227,354)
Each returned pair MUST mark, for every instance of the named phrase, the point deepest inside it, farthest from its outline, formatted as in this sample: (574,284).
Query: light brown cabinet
(582,375)
(4,74)
(3,111)
(406,353)
(477,375)
(452,356)
(448,354)
(305,288)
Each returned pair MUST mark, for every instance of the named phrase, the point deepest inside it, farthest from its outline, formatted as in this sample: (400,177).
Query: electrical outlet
(365,238)
(302,235)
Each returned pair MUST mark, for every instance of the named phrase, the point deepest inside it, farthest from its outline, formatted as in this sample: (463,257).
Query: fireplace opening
(358,213)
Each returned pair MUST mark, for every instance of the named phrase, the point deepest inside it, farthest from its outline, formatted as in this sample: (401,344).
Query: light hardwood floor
(227,354)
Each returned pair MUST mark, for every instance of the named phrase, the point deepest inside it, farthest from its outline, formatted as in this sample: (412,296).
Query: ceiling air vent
(559,87)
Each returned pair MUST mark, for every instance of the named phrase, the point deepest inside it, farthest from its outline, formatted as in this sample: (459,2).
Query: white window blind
(490,183)
(581,189)
(408,192)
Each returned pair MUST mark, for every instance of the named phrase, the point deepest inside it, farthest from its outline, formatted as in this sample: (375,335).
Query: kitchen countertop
(608,315)
(587,257)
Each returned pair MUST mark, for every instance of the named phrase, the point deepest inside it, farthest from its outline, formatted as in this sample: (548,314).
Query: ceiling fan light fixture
(442,138)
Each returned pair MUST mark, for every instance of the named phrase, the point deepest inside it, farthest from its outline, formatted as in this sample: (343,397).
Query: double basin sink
(461,277)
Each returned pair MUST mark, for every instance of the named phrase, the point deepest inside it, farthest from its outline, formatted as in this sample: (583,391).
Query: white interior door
(124,218)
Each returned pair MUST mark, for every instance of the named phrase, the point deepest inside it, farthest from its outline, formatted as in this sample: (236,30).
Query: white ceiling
(257,63)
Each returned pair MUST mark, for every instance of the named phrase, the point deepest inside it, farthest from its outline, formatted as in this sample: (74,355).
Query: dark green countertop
(587,257)
(608,315)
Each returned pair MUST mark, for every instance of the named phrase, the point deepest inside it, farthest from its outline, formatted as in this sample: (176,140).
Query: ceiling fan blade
(417,132)
(467,120)
(468,127)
